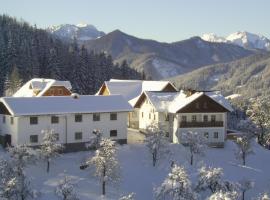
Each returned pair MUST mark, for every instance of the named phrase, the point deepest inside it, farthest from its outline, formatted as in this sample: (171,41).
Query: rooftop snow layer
(132,89)
(161,100)
(51,105)
(182,100)
(40,84)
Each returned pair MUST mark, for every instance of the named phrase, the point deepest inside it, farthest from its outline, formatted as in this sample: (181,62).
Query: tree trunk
(48,166)
(191,159)
(103,188)
(154,159)
(243,195)
(244,158)
(103,182)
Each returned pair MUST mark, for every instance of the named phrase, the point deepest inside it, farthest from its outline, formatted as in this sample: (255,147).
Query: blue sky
(163,20)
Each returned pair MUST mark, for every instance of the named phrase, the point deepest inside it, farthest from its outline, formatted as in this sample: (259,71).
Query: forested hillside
(248,76)
(36,53)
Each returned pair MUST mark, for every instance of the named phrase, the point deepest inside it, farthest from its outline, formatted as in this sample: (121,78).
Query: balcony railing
(200,124)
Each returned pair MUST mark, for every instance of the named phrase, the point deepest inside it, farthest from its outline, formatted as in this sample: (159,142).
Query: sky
(162,20)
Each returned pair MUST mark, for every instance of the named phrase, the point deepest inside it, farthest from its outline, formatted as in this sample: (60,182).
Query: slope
(162,60)
(248,76)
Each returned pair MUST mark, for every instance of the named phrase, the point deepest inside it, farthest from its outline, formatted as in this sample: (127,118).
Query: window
(166,117)
(78,118)
(205,105)
(205,118)
(78,135)
(154,117)
(33,120)
(52,92)
(206,135)
(142,114)
(96,117)
(56,136)
(54,120)
(134,114)
(149,115)
(33,138)
(197,105)
(184,118)
(113,133)
(216,135)
(60,91)
(194,118)
(11,120)
(113,116)
(4,119)
(213,118)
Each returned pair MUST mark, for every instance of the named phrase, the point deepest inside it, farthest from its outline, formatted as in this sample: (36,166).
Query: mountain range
(159,60)
(248,77)
(162,60)
(81,32)
(241,38)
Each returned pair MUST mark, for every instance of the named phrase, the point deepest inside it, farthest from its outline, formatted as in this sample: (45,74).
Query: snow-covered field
(140,177)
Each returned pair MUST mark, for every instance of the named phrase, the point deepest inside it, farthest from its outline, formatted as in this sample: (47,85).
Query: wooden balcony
(200,124)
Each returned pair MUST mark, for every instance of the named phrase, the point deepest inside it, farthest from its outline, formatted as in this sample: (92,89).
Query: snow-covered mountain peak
(82,24)
(241,38)
(211,37)
(81,31)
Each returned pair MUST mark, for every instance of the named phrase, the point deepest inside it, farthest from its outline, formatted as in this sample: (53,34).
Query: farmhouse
(38,87)
(184,111)
(73,118)
(131,91)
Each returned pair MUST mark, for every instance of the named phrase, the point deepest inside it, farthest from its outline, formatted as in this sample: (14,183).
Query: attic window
(197,105)
(205,105)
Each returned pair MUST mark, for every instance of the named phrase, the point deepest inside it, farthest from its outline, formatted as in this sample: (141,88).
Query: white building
(73,119)
(131,91)
(180,112)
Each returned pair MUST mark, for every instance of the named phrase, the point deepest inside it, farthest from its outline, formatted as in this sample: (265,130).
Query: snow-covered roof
(132,89)
(183,100)
(41,85)
(174,101)
(25,106)
(161,100)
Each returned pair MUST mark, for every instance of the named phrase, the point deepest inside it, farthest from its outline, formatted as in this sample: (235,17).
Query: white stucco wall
(201,130)
(8,128)
(156,117)
(66,127)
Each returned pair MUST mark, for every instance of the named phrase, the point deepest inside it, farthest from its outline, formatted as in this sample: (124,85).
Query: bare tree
(106,164)
(244,148)
(49,147)
(259,113)
(156,142)
(245,185)
(211,178)
(195,143)
(66,189)
(224,195)
(21,156)
(176,186)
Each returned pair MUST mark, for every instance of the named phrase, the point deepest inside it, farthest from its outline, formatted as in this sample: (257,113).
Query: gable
(169,88)
(203,104)
(104,90)
(57,91)
(140,101)
(3,109)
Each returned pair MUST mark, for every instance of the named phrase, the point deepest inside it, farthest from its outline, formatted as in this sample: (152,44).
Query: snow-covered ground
(140,177)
